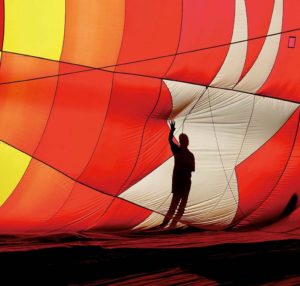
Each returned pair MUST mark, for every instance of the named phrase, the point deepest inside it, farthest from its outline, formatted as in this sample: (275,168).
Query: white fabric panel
(186,97)
(232,68)
(224,127)
(268,115)
(262,67)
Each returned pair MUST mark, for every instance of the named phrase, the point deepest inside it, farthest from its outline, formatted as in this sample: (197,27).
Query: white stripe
(262,67)
(185,97)
(232,68)
(268,116)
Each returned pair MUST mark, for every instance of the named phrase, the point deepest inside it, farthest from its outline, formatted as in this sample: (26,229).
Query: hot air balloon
(87,91)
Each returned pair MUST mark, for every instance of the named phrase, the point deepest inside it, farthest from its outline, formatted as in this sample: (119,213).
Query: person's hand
(172,125)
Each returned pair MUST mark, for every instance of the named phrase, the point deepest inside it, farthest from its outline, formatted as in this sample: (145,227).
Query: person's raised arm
(174,146)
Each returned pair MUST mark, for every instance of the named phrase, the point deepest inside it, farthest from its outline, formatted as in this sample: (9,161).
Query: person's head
(183,141)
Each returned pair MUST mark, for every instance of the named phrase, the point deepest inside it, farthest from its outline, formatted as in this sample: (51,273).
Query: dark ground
(176,258)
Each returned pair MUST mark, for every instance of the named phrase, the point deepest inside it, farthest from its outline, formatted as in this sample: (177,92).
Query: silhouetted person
(181,180)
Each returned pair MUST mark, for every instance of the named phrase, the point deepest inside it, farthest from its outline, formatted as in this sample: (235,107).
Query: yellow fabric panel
(13,164)
(34,27)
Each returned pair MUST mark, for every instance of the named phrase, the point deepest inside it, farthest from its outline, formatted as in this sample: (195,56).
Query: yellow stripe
(13,164)
(34,27)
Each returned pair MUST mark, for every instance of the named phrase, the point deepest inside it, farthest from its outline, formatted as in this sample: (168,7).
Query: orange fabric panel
(40,193)
(93,32)
(17,67)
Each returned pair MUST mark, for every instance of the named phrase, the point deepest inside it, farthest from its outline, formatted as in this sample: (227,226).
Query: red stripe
(132,101)
(288,185)
(258,174)
(122,215)
(287,224)
(203,26)
(283,81)
(76,120)
(258,25)
(152,29)
(155,148)
(83,208)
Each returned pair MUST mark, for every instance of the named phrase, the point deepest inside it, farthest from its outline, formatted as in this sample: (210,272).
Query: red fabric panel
(259,173)
(122,215)
(288,185)
(152,29)
(76,120)
(1,23)
(283,81)
(155,147)
(82,209)
(40,193)
(259,14)
(205,24)
(24,106)
(132,102)
(287,224)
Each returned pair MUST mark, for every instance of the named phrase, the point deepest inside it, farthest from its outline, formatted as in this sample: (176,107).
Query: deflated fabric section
(42,199)
(83,135)
(133,103)
(224,128)
(263,199)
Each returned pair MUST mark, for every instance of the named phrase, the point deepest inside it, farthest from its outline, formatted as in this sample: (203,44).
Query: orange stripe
(39,195)
(93,32)
(25,106)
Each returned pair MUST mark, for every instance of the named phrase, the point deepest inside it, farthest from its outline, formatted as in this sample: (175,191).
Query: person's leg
(180,210)
(172,209)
